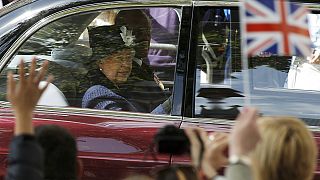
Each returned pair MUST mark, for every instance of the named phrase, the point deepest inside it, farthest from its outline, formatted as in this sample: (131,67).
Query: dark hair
(140,24)
(60,152)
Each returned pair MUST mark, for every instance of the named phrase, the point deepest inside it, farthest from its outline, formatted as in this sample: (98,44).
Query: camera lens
(172,140)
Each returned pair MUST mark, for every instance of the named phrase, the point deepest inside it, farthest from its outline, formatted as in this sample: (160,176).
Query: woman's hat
(105,40)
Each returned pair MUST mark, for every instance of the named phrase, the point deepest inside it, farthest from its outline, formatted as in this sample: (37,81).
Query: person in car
(149,88)
(110,73)
(109,68)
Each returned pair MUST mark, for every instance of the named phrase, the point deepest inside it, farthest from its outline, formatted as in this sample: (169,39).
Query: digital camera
(172,140)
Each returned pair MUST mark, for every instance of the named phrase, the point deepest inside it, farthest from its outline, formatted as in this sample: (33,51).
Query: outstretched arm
(24,95)
(25,156)
(243,139)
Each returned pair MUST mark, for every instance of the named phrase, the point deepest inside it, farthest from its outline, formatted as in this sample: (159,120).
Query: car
(188,61)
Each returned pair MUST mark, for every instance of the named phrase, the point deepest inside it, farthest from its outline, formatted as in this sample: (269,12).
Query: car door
(215,90)
(111,144)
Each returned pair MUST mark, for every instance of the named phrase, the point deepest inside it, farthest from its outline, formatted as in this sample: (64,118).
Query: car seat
(69,71)
(52,96)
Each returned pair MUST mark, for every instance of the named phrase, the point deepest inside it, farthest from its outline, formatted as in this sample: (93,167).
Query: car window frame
(191,84)
(98,7)
(189,100)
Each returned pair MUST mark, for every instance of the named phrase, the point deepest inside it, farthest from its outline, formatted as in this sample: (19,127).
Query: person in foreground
(243,138)
(26,157)
(259,148)
(287,150)
(60,149)
(45,152)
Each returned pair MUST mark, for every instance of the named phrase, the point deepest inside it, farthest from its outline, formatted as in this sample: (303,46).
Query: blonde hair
(138,177)
(287,150)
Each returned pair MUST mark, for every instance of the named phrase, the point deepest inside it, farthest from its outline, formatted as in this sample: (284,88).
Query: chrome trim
(99,113)
(84,8)
(215,121)
(163,46)
(13,6)
(87,8)
(216,3)
(311,6)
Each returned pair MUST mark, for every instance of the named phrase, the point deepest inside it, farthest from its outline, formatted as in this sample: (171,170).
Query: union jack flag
(276,27)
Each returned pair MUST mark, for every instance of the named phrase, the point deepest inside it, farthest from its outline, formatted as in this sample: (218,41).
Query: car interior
(65,44)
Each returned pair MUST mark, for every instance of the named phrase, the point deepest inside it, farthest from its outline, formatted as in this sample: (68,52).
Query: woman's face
(117,66)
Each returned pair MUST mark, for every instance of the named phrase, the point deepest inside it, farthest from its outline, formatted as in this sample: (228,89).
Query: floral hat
(105,40)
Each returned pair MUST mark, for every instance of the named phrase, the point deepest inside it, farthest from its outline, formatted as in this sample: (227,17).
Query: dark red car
(190,69)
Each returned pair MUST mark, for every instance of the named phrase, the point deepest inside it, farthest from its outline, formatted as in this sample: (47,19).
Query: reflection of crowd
(277,148)
(315,57)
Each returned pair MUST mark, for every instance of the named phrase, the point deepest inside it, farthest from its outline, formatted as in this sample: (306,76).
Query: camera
(172,140)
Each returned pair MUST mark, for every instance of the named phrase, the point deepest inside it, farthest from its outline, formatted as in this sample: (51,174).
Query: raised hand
(25,94)
(214,150)
(245,134)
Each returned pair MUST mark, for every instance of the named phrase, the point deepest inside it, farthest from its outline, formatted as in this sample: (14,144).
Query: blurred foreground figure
(287,150)
(25,155)
(60,149)
(177,172)
(49,152)
(138,177)
(208,152)
(265,148)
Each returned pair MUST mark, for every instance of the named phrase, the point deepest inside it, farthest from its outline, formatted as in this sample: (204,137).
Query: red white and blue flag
(277,27)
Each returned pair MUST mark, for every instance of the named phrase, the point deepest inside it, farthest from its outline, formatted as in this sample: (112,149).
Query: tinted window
(103,60)
(218,89)
(279,85)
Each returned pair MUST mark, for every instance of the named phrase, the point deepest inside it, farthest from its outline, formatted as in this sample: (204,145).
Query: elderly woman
(119,76)
(109,68)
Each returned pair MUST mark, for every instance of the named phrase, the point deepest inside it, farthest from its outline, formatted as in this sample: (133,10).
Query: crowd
(260,148)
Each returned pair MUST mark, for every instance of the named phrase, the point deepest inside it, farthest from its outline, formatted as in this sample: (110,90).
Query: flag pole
(244,58)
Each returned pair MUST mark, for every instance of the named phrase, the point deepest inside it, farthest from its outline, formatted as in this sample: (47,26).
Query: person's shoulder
(100,90)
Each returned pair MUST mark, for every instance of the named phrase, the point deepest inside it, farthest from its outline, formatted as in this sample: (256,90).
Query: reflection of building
(165,24)
(314,28)
(304,74)
(4,2)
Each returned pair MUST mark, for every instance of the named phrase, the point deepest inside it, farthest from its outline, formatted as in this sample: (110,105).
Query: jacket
(26,159)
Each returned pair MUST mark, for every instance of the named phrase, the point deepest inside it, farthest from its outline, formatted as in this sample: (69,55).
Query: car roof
(19,3)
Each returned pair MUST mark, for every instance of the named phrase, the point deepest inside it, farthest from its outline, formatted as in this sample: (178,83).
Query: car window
(217,59)
(113,59)
(279,85)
